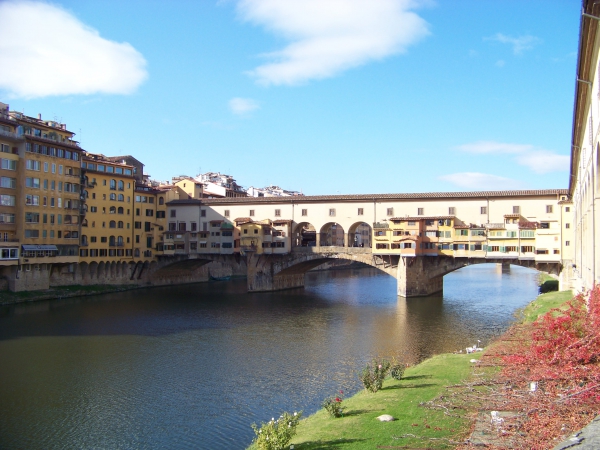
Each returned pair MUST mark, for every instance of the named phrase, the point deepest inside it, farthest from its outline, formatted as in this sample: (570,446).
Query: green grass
(549,298)
(359,429)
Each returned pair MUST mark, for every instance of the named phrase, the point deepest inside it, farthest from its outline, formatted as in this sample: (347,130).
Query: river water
(191,367)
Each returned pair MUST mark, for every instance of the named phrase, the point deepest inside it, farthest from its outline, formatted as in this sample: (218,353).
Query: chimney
(40,116)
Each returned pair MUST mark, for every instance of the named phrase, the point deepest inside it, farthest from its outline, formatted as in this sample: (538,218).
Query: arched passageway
(305,235)
(332,234)
(359,235)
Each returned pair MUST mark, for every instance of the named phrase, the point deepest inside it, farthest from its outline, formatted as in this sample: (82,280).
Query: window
(32,233)
(7,200)
(10,164)
(93,209)
(149,213)
(332,212)
(420,211)
(226,213)
(7,182)
(32,200)
(484,210)
(113,185)
(32,182)
(305,212)
(516,210)
(161,200)
(452,211)
(567,243)
(160,214)
(277,213)
(548,209)
(121,186)
(251,213)
(390,211)
(7,218)
(112,224)
(203,213)
(567,208)
(544,225)
(147,226)
(30,164)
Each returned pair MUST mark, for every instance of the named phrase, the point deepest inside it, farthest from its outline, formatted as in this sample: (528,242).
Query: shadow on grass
(358,412)
(416,377)
(408,386)
(549,286)
(338,443)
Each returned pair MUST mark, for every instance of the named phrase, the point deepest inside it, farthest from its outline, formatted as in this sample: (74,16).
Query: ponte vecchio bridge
(417,238)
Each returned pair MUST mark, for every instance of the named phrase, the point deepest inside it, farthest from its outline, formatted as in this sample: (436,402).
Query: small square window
(361,211)
(173,212)
(516,210)
(277,213)
(226,213)
(549,209)
(567,243)
(390,211)
(305,212)
(484,210)
(567,225)
(332,212)
(420,211)
(567,208)
(251,213)
(452,211)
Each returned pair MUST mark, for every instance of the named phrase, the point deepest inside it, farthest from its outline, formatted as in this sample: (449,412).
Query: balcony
(383,225)
(10,136)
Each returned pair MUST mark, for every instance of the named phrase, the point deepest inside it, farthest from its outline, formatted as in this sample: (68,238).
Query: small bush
(397,370)
(333,405)
(373,374)
(276,434)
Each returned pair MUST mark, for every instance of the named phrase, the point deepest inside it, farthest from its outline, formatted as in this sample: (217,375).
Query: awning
(39,247)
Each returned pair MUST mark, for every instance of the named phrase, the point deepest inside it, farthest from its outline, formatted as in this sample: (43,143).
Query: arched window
(120,210)
(121,198)
(136,253)
(111,241)
(161,200)
(121,186)
(112,224)
(84,223)
(113,185)
(120,224)
(112,210)
(84,239)
(120,241)
(113,197)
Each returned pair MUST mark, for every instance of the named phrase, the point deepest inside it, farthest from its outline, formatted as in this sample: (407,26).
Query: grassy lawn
(359,429)
(545,302)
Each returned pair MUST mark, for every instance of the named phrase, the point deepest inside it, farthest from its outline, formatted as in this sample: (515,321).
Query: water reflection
(193,366)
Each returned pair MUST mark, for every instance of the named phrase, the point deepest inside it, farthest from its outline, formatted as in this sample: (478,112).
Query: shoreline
(405,399)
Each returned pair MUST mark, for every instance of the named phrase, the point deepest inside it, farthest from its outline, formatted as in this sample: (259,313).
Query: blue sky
(322,96)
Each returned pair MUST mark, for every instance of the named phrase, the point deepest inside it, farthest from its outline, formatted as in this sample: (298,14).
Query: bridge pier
(264,276)
(414,278)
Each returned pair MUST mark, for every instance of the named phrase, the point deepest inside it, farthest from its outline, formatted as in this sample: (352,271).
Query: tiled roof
(281,222)
(379,197)
(512,216)
(187,201)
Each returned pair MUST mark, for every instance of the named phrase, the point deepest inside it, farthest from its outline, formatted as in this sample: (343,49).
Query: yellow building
(108,227)
(9,165)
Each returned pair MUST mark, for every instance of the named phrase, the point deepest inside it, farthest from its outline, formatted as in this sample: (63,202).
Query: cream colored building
(585,155)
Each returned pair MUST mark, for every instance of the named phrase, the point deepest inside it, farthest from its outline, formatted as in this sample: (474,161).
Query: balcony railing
(10,135)
(380,225)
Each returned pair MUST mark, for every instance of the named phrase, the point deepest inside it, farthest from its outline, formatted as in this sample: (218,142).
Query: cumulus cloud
(328,37)
(481,181)
(537,159)
(544,161)
(241,106)
(493,147)
(519,44)
(47,51)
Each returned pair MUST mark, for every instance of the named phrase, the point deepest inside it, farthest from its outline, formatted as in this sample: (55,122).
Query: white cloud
(519,44)
(543,161)
(482,181)
(46,51)
(493,147)
(242,106)
(328,37)
(537,159)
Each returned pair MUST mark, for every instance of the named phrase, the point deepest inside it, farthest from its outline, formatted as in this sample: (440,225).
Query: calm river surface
(193,366)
